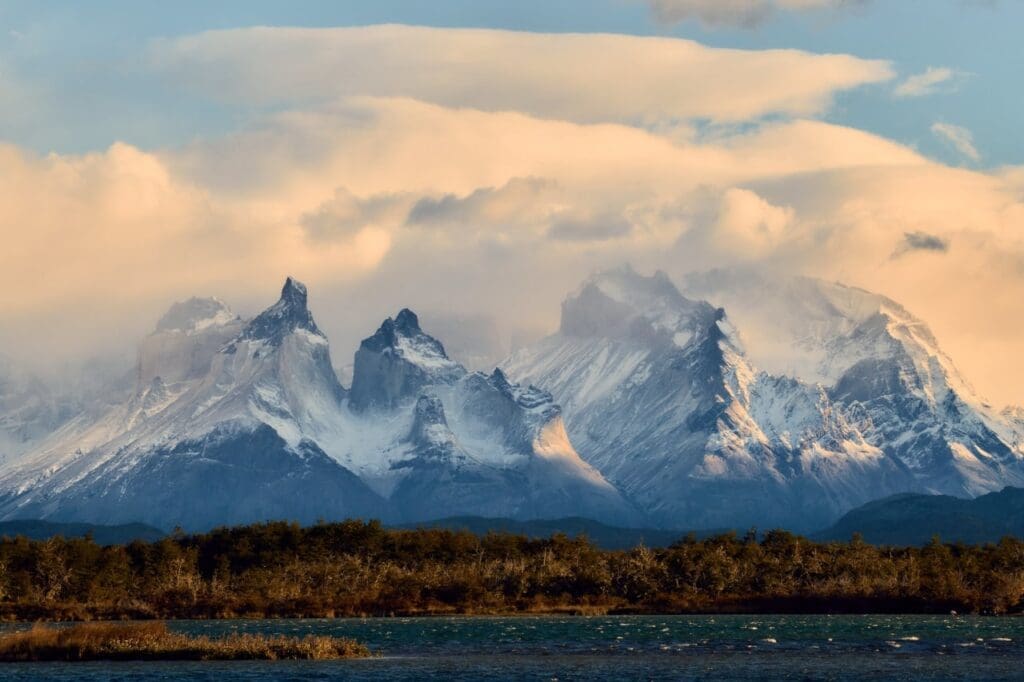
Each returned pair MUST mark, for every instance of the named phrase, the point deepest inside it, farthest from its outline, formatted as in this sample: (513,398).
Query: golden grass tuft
(153,641)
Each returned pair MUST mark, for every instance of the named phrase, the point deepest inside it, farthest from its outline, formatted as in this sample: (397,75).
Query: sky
(477,158)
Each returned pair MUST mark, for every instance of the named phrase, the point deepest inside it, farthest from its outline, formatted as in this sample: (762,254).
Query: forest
(357,568)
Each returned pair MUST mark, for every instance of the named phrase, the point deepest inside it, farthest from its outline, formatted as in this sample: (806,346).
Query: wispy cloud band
(958,137)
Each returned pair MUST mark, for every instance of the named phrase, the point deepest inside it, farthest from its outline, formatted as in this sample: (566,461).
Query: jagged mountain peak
(500,380)
(247,421)
(185,341)
(498,390)
(881,364)
(195,315)
(668,407)
(222,428)
(294,292)
(289,313)
(396,361)
(394,332)
(624,283)
(406,322)
(622,303)
(646,294)
(528,397)
(811,328)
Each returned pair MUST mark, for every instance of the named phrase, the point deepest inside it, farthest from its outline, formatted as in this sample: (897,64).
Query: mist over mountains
(732,400)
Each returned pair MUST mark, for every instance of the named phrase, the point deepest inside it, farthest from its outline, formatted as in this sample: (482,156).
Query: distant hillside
(604,536)
(102,535)
(913,519)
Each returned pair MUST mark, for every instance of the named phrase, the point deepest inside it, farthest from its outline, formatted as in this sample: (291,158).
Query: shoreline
(563,612)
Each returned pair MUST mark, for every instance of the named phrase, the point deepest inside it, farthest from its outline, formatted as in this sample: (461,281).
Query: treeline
(361,569)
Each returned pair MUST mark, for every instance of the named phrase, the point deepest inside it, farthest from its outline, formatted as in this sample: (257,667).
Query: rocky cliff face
(647,407)
(476,444)
(884,369)
(661,399)
(396,362)
(220,429)
(234,421)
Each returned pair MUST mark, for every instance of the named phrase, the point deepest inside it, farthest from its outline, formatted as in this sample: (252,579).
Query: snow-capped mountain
(186,341)
(235,421)
(660,397)
(804,400)
(438,440)
(217,431)
(885,369)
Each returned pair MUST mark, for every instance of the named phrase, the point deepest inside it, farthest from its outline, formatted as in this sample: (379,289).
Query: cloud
(747,226)
(577,77)
(339,194)
(920,241)
(596,229)
(712,13)
(736,13)
(960,138)
(519,202)
(848,222)
(382,146)
(513,212)
(92,241)
(796,196)
(454,203)
(346,215)
(522,207)
(929,82)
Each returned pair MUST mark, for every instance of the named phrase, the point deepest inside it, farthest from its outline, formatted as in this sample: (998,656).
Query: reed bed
(153,641)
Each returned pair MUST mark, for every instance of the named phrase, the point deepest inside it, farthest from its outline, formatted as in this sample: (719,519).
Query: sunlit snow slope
(660,395)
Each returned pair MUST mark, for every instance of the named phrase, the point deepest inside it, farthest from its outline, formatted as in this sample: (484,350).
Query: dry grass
(153,641)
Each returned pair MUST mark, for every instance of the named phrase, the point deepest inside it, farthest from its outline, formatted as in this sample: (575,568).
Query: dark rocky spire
(285,316)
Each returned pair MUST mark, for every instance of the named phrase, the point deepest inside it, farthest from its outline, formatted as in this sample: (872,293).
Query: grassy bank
(153,641)
(361,569)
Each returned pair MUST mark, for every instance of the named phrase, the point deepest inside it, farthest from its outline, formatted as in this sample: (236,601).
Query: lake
(610,648)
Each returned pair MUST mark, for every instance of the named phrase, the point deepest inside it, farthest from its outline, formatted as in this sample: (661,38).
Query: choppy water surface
(612,648)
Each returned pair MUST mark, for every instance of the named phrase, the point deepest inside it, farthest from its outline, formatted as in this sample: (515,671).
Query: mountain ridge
(648,407)
(252,424)
(915,519)
(662,399)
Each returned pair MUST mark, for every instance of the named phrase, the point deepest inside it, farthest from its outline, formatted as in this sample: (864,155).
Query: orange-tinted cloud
(577,77)
(448,203)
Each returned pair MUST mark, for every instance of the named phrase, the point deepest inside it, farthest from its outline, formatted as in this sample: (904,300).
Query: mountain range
(786,402)
(231,421)
(858,402)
